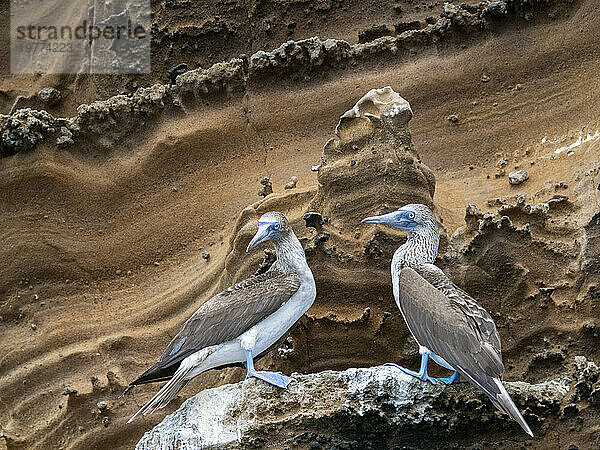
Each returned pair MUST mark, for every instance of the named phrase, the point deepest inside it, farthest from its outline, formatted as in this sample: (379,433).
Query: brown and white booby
(241,322)
(449,326)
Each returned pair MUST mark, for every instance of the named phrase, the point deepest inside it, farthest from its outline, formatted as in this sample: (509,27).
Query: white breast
(277,324)
(265,333)
(395,268)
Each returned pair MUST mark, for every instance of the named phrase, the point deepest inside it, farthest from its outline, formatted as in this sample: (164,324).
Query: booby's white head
(413,217)
(271,227)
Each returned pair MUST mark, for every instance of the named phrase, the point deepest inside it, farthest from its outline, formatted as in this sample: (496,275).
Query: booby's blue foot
(455,378)
(421,374)
(275,378)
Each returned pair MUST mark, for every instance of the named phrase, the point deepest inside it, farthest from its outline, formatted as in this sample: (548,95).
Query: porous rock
(49,95)
(387,169)
(220,77)
(378,407)
(518,176)
(495,9)
(292,183)
(117,116)
(267,187)
(116,113)
(26,128)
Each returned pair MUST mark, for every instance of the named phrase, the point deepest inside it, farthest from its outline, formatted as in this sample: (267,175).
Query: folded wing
(449,322)
(224,317)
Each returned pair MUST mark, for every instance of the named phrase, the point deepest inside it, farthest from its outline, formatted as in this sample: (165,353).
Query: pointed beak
(261,235)
(387,219)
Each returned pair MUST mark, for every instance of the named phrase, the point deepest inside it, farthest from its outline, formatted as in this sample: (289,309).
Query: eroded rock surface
(104,243)
(378,407)
(372,165)
(116,117)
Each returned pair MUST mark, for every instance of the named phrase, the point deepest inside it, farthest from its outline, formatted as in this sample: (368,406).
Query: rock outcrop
(119,222)
(378,407)
(372,165)
(27,128)
(116,117)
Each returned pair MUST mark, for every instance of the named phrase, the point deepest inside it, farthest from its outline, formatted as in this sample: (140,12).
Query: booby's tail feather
(167,393)
(506,404)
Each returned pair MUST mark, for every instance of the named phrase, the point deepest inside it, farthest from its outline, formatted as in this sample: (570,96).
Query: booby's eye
(277,226)
(412,215)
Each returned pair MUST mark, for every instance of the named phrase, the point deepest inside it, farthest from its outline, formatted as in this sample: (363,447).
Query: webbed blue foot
(423,377)
(421,374)
(455,378)
(275,378)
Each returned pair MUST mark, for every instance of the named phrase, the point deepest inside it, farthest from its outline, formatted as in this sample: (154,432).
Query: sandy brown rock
(372,166)
(83,225)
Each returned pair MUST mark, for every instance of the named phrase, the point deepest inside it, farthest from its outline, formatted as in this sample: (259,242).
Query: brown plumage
(240,323)
(447,323)
(450,323)
(224,317)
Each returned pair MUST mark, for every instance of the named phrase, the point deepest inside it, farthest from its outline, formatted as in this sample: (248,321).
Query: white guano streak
(580,141)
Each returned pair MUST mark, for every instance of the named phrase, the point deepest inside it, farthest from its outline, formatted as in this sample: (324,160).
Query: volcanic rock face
(105,214)
(372,166)
(111,119)
(378,407)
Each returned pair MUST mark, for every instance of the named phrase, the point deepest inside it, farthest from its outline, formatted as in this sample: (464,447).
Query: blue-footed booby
(448,324)
(240,323)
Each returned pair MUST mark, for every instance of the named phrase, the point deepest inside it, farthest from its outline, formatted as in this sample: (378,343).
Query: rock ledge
(356,408)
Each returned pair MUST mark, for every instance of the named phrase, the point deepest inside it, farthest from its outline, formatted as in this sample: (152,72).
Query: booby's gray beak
(387,219)
(261,235)
(398,219)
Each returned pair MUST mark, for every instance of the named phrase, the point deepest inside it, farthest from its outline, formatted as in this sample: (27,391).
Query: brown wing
(481,319)
(448,322)
(225,316)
